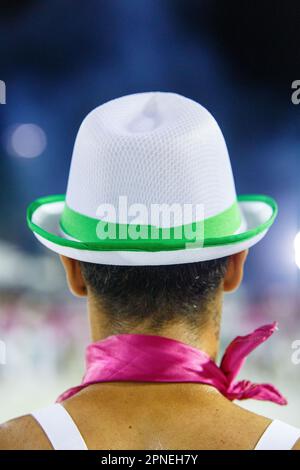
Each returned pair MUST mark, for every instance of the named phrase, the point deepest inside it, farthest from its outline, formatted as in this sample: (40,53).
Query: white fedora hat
(143,152)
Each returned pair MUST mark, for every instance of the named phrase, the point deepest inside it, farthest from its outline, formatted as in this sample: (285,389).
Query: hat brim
(43,217)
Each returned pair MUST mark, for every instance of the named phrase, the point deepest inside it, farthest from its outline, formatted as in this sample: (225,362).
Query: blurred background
(59,60)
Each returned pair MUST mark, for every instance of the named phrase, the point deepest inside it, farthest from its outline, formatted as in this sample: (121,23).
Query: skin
(148,415)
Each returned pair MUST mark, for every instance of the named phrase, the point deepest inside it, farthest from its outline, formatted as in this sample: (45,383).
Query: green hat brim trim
(210,227)
(145,237)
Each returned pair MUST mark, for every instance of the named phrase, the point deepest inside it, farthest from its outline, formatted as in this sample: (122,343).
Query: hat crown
(153,148)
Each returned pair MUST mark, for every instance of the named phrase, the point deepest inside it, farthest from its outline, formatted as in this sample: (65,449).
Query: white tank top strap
(63,433)
(278,436)
(60,428)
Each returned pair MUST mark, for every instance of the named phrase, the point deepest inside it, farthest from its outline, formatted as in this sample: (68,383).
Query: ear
(235,271)
(75,279)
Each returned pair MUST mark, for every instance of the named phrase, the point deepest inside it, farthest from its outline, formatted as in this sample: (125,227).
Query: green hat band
(213,231)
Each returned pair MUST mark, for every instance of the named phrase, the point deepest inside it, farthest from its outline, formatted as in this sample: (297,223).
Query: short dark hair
(131,295)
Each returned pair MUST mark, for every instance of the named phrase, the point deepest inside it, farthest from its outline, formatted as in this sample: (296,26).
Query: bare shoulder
(297,445)
(260,424)
(244,426)
(23,433)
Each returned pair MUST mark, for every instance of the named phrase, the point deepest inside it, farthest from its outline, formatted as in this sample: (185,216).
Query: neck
(204,337)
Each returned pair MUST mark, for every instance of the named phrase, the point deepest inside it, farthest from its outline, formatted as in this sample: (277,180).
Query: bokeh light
(297,249)
(27,140)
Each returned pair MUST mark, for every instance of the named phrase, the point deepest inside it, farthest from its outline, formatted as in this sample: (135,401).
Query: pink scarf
(146,358)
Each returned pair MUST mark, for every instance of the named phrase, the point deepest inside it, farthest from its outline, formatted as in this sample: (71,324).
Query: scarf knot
(147,358)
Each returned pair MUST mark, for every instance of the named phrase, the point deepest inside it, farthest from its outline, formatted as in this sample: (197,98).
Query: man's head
(150,183)
(155,297)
